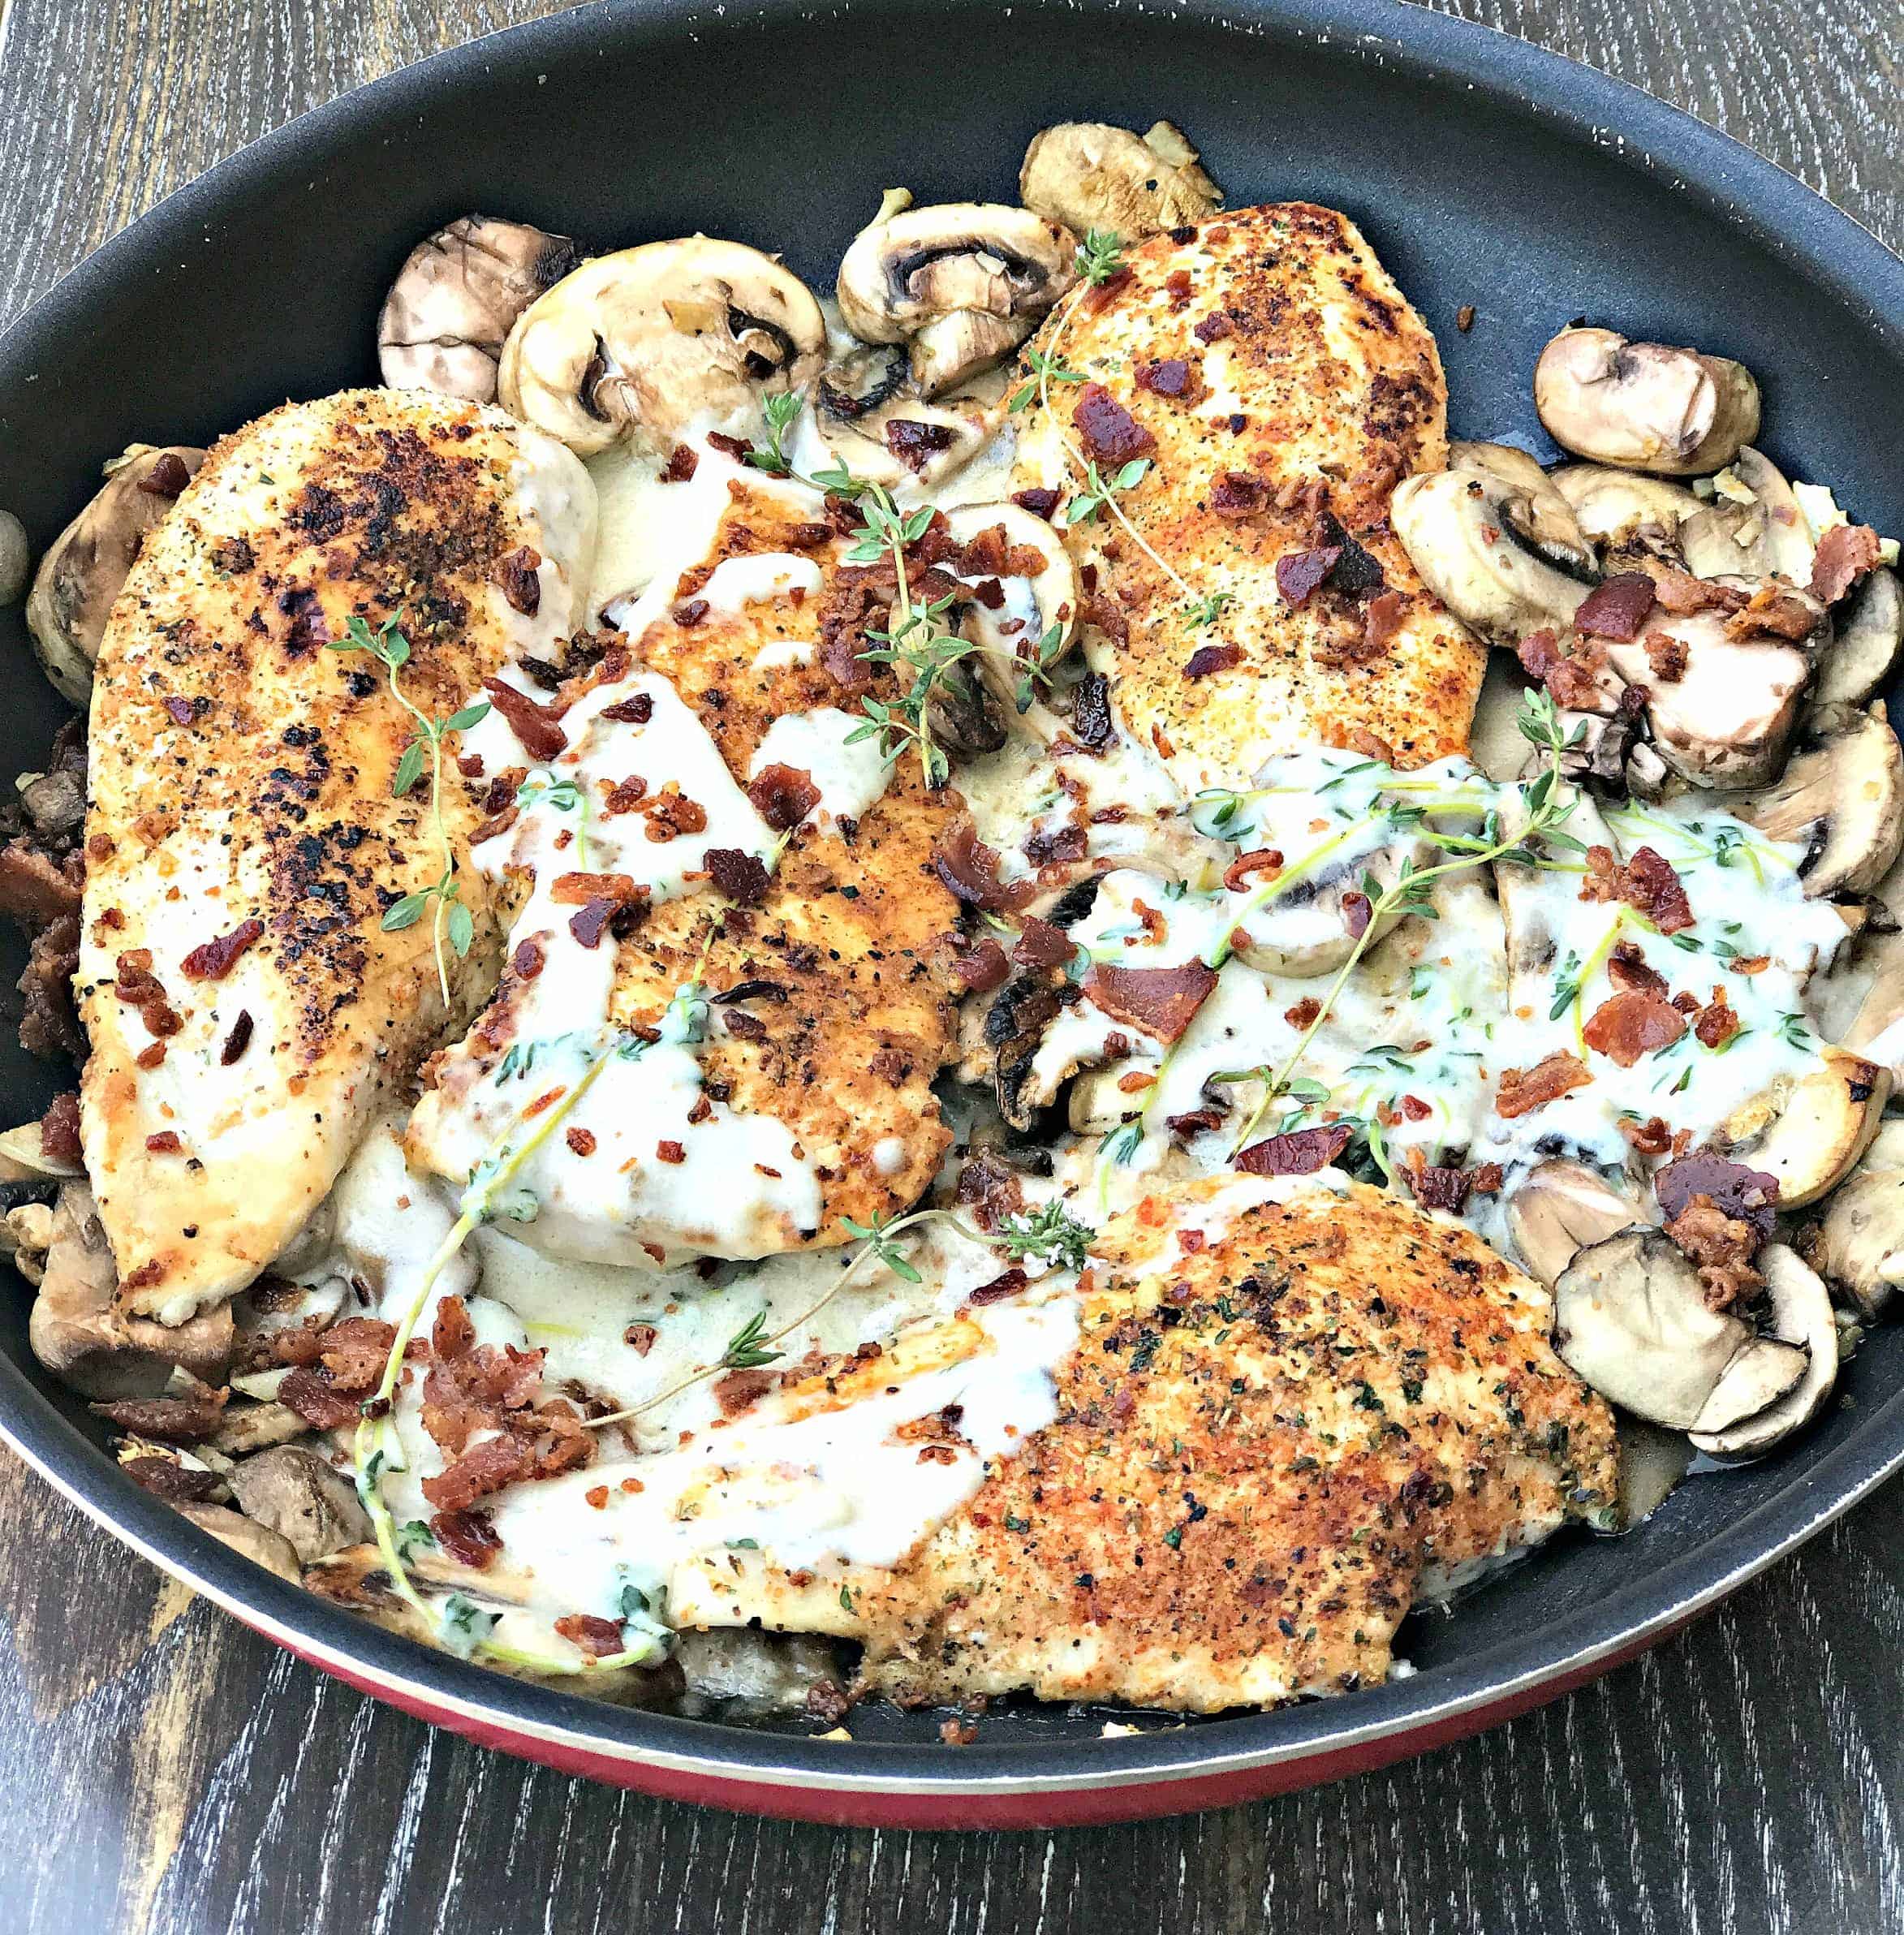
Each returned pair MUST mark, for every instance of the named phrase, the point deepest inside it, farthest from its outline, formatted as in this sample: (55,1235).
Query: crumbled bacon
(1298,574)
(969,869)
(589,922)
(783,795)
(1214,327)
(578,889)
(982,966)
(682,462)
(1722,1247)
(1208,659)
(1524,1089)
(165,1143)
(516,578)
(1300,1013)
(669,814)
(1569,682)
(1300,1152)
(1626,968)
(1773,608)
(1039,945)
(535,726)
(469,1537)
(59,1130)
(1111,435)
(1259,860)
(1846,554)
(741,877)
(1617,607)
(1039,502)
(989,1187)
(1439,1188)
(1357,909)
(1749,1194)
(1646,883)
(1160,1001)
(166,1478)
(636,710)
(1666,655)
(1238,494)
(1007,1285)
(916,444)
(1652,1137)
(1625,1027)
(1717,1022)
(1381,620)
(1172,377)
(597,1637)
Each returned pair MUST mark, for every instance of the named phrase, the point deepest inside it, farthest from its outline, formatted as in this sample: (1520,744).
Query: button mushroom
(1807,1130)
(1643,405)
(1842,800)
(1088,175)
(1475,538)
(1754,527)
(1757,1404)
(1859,1242)
(1028,615)
(1870,638)
(245,1537)
(303,1497)
(16,558)
(457,297)
(650,345)
(1560,1208)
(962,284)
(1629,517)
(80,576)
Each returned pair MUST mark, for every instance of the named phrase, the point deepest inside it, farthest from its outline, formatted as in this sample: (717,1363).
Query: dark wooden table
(163,1770)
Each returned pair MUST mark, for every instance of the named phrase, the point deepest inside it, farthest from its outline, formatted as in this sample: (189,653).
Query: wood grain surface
(165,1770)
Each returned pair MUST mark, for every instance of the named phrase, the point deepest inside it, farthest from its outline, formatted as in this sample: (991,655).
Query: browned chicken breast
(1279,386)
(1267,1433)
(245,1005)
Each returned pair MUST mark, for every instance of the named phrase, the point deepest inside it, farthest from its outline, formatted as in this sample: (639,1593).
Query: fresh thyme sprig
(451,920)
(1544,806)
(782,410)
(1051,369)
(1050,1231)
(1099,257)
(745,1350)
(1084,505)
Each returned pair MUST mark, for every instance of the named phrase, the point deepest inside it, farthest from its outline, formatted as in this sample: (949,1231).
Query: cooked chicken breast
(1276,1420)
(245,1006)
(1280,386)
(715,743)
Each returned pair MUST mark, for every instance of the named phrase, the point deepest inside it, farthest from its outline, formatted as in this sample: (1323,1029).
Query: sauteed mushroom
(1807,1130)
(1561,1208)
(1643,405)
(1754,1406)
(1087,175)
(1623,510)
(1870,637)
(1859,1242)
(1843,801)
(1753,528)
(16,558)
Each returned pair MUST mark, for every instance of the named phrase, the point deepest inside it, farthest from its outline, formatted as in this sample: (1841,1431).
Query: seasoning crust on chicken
(1279,386)
(245,1006)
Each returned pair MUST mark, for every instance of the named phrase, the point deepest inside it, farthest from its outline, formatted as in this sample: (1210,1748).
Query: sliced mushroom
(1495,741)
(80,1334)
(908,445)
(1754,527)
(1623,510)
(1035,616)
(1467,532)
(1088,175)
(456,299)
(962,284)
(1561,1208)
(16,558)
(81,575)
(23,1158)
(1643,405)
(1809,1130)
(1842,800)
(1631,1317)
(246,1536)
(299,1494)
(1859,1242)
(1759,1403)
(647,345)
(1539,514)
(1870,638)
(1727,719)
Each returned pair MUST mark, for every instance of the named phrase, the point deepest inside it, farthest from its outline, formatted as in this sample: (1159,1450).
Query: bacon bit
(535,726)
(736,447)
(1134,1081)
(1160,1001)
(497,824)
(1001,1287)
(670,815)
(741,877)
(1304,1011)
(1173,377)
(1569,683)
(969,869)
(1177,287)
(59,1130)
(743,1026)
(1040,946)
(528,960)
(641,1338)
(1208,659)
(578,889)
(1301,1152)
(1040,502)
(1155,927)
(1681,593)
(682,462)
(1357,910)
(671,1152)
(982,966)
(1716,1022)
(1416,1109)
(1381,620)
(167,477)
(1722,1247)
(1617,607)
(1626,1027)
(581,1140)
(1464,318)
(990,1188)
(636,710)
(216,959)
(1439,1188)
(165,1477)
(1214,327)
(589,922)
(1772,608)
(1651,1137)
(1749,963)
(165,1143)
(150,1056)
(597,1496)
(1524,1089)
(1667,655)
(1747,1193)
(1065,842)
(738,1390)
(916,444)
(183,712)
(469,1537)
(1627,970)
(1195,1122)
(596,1637)
(1846,554)
(783,795)
(1238,494)
(1646,883)
(1299,573)
(515,577)
(1111,435)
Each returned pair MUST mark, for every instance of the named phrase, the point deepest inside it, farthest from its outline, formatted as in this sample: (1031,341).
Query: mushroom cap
(1778,1383)
(1621,508)
(1807,1130)
(456,298)
(1842,800)
(1859,1242)
(1464,531)
(1087,175)
(963,282)
(85,567)
(1643,405)
(1870,636)
(649,344)
(16,558)
(1560,1208)
(1754,527)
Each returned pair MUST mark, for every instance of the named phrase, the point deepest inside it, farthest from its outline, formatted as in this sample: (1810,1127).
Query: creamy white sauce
(834,750)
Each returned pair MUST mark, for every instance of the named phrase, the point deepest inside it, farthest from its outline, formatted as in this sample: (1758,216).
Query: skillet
(1485,172)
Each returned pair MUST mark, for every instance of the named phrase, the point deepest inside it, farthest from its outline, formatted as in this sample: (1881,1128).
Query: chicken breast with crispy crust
(1280,386)
(763,856)
(1276,1418)
(245,1006)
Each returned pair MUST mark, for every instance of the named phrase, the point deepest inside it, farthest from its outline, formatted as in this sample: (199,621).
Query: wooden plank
(167,1771)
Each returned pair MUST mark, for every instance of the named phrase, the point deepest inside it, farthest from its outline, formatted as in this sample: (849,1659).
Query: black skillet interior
(620,124)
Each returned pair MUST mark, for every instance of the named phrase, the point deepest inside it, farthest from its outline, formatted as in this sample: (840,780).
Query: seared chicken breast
(1279,386)
(1275,1420)
(246,1007)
